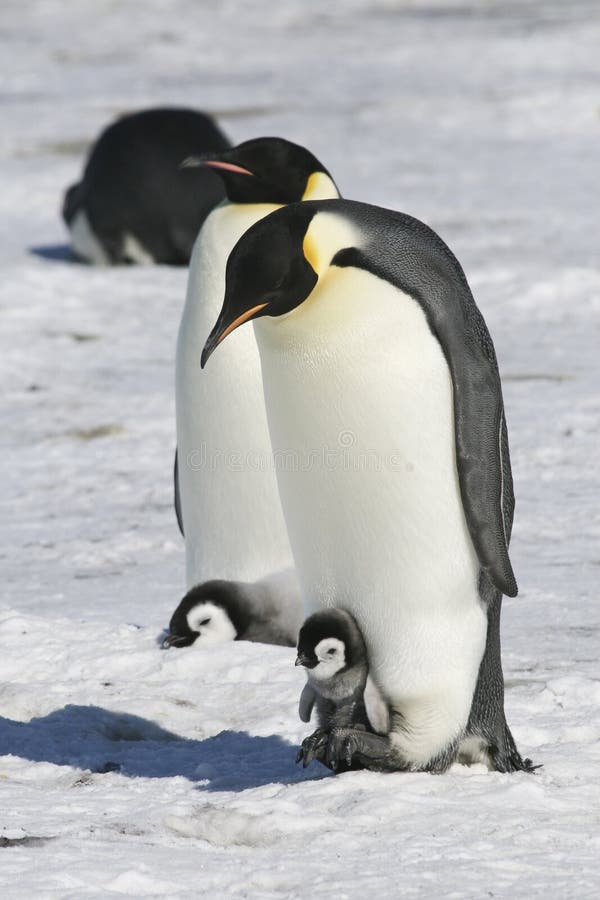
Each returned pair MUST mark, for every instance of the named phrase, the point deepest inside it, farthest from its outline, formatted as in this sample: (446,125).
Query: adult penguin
(134,203)
(226,493)
(374,353)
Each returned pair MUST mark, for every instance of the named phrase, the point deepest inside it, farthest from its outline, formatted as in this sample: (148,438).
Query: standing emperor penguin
(380,373)
(226,494)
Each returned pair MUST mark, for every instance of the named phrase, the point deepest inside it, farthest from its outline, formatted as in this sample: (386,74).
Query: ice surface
(130,771)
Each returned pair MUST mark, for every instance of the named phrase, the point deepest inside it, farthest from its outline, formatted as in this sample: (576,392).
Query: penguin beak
(191,162)
(177,640)
(223,328)
(303,659)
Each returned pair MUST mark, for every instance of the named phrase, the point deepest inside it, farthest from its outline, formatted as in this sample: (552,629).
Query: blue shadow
(99,740)
(55,253)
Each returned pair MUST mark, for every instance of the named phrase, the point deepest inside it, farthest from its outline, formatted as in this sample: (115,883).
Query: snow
(130,771)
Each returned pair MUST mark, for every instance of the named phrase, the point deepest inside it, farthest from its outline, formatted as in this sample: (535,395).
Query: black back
(133,183)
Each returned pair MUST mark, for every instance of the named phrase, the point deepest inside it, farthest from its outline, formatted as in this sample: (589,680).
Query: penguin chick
(217,611)
(333,652)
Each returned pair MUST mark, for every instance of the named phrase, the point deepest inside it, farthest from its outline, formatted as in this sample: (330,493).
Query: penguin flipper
(177,496)
(307,702)
(482,457)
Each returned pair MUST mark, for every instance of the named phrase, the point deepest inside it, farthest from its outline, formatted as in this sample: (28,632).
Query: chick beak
(303,659)
(176,640)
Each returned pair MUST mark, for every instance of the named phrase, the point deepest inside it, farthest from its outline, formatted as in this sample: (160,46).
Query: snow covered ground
(130,771)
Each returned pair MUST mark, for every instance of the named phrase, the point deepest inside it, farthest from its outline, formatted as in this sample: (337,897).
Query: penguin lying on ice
(219,611)
(333,652)
(372,346)
(134,203)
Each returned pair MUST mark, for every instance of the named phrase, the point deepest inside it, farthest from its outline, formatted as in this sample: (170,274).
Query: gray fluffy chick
(333,652)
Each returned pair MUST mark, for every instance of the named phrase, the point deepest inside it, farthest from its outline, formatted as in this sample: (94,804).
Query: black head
(264,170)
(212,611)
(327,624)
(267,272)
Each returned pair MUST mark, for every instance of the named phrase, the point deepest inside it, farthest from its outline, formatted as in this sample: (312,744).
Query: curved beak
(223,328)
(303,659)
(191,162)
(176,640)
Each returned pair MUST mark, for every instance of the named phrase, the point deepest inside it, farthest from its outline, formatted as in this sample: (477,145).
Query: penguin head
(209,614)
(267,273)
(329,642)
(269,170)
(276,264)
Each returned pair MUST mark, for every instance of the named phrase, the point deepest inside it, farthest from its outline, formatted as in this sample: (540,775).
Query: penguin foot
(354,748)
(313,747)
(508,759)
(341,747)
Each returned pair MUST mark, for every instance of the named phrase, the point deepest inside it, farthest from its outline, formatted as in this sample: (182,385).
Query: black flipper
(482,457)
(307,702)
(177,497)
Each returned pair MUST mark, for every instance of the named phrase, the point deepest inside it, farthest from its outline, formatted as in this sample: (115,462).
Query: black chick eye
(331,652)
(204,622)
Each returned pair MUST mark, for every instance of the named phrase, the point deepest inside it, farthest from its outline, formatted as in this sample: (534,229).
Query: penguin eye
(331,652)
(204,622)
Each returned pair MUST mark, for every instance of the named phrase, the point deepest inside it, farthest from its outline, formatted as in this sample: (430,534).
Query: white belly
(359,399)
(232,515)
(84,242)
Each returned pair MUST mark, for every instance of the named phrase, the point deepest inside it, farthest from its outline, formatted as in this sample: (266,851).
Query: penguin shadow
(99,741)
(55,253)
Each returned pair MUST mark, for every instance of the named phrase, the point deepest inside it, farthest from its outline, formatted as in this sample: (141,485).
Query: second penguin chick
(217,611)
(333,652)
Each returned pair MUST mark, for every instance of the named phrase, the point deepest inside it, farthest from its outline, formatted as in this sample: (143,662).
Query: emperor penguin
(380,373)
(219,611)
(135,203)
(332,650)
(226,494)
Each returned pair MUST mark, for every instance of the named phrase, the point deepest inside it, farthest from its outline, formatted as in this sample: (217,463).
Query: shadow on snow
(96,739)
(54,253)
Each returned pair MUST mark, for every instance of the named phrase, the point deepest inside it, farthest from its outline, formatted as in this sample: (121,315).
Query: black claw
(348,751)
(313,747)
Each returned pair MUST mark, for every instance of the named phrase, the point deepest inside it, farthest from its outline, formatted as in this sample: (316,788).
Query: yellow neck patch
(328,233)
(320,187)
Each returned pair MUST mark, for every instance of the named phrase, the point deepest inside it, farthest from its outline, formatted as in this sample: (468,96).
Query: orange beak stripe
(228,167)
(240,320)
